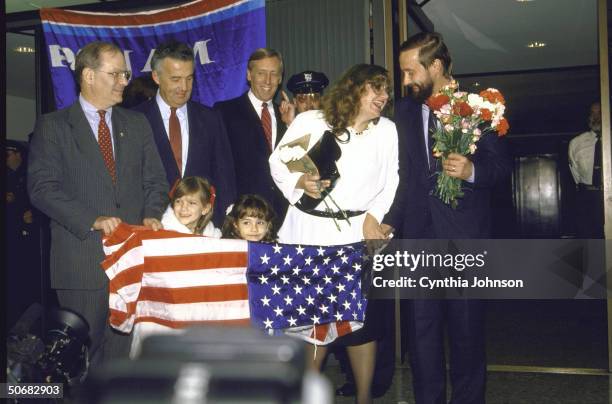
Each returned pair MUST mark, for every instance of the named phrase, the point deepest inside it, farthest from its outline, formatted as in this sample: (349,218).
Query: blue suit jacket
(251,151)
(209,153)
(416,212)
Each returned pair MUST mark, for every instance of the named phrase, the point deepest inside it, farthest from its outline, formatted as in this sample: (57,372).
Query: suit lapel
(120,136)
(280,125)
(419,139)
(254,123)
(161,138)
(86,141)
(194,140)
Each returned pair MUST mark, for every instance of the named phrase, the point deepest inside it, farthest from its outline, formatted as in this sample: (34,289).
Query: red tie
(266,123)
(175,139)
(106,147)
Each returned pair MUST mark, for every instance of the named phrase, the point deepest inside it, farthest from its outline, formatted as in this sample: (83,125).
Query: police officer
(307,88)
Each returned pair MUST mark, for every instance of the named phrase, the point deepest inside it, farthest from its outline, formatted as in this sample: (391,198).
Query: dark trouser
(106,344)
(465,322)
(589,214)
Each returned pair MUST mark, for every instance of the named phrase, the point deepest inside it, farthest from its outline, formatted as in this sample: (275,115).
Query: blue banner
(223,33)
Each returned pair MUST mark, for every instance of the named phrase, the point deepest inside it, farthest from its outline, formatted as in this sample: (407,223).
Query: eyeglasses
(126,74)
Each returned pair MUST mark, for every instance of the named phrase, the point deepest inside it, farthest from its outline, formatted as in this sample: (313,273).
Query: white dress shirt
(93,118)
(181,113)
(257,105)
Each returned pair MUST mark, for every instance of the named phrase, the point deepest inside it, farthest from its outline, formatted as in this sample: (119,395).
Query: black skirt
(377,311)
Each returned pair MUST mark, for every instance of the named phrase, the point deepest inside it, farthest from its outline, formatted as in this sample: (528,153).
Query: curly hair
(341,103)
(254,206)
(201,187)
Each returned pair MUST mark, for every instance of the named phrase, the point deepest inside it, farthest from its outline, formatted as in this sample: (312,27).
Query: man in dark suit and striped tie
(255,126)
(191,138)
(93,166)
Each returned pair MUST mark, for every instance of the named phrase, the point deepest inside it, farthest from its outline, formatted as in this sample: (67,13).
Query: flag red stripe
(199,294)
(182,324)
(128,276)
(319,332)
(196,261)
(343,327)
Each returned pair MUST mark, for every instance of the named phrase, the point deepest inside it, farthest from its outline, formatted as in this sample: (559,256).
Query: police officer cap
(14,145)
(307,82)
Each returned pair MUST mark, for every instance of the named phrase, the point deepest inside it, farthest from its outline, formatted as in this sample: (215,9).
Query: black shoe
(346,390)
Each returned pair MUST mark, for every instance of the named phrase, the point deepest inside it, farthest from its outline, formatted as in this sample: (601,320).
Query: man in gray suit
(93,166)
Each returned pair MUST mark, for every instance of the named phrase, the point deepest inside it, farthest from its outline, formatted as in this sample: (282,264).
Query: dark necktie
(175,139)
(266,123)
(431,128)
(597,163)
(106,147)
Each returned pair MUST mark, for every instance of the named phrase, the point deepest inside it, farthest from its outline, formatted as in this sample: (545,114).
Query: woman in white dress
(364,191)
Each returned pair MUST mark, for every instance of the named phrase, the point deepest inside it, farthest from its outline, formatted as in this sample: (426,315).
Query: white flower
(477,132)
(473,148)
(288,154)
(475,101)
(448,127)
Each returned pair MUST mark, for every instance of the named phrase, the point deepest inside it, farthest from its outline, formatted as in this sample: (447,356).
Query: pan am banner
(223,33)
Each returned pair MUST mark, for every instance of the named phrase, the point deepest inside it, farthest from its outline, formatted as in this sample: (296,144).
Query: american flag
(311,291)
(164,281)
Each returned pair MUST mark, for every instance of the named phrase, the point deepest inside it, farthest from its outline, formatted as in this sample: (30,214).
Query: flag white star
(357,266)
(359,305)
(288,301)
(277,249)
(298,289)
(265,259)
(348,277)
(299,250)
(276,290)
(284,279)
(278,311)
(287,260)
(346,305)
(327,279)
(344,259)
(340,252)
(319,289)
(354,316)
(320,251)
(292,321)
(268,323)
(308,260)
(316,270)
(332,298)
(274,269)
(296,271)
(310,300)
(315,319)
(335,269)
(301,310)
(263,279)
(338,316)
(340,287)
(323,309)
(306,280)
(354,294)
(265,301)
(326,260)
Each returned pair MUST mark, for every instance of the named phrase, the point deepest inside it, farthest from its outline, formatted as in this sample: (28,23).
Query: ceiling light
(524,1)
(24,49)
(536,44)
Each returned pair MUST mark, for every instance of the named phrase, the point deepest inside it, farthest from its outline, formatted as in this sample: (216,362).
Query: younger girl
(191,208)
(250,218)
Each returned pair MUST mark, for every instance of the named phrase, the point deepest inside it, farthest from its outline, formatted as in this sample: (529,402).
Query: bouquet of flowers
(464,118)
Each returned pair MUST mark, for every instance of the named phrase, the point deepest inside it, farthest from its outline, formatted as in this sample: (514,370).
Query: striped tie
(266,123)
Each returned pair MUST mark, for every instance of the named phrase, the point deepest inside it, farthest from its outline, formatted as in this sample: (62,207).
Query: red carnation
(486,114)
(493,96)
(462,109)
(435,102)
(502,127)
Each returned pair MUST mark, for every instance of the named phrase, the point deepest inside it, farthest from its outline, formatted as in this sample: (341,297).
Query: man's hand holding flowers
(458,166)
